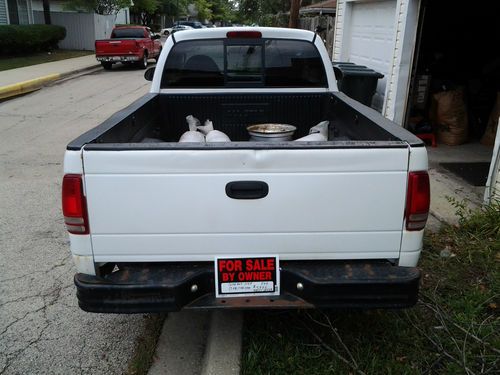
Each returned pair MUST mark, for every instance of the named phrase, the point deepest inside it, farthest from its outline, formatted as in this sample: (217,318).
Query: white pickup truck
(165,225)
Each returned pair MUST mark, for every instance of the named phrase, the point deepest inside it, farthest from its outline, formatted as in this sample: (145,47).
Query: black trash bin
(356,81)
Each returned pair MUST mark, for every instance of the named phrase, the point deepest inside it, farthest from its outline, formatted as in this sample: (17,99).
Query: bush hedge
(21,39)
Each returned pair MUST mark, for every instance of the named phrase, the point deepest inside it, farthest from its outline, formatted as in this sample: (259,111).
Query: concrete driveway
(42,330)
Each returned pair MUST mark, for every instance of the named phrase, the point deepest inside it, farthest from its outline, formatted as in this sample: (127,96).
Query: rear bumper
(160,287)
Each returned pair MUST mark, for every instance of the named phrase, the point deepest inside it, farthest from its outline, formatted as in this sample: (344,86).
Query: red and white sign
(247,276)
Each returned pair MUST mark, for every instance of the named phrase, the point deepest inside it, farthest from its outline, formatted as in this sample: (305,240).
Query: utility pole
(294,14)
(46,12)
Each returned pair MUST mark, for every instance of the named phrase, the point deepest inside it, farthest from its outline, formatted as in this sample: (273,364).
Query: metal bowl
(271,132)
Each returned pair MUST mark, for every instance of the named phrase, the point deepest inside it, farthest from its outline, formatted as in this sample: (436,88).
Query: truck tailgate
(172,205)
(113,47)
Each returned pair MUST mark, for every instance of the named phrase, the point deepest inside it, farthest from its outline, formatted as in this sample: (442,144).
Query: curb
(440,217)
(81,70)
(199,343)
(31,85)
(26,86)
(224,344)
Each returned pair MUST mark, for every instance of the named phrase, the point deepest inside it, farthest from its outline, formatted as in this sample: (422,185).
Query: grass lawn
(454,328)
(13,62)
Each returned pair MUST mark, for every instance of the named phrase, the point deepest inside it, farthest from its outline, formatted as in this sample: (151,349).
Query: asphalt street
(42,330)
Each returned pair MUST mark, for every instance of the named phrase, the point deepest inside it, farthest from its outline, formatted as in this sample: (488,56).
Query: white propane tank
(321,128)
(206,128)
(315,137)
(193,122)
(192,136)
(217,136)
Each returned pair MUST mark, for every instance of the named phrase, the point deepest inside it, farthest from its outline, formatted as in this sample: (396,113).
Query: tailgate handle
(247,189)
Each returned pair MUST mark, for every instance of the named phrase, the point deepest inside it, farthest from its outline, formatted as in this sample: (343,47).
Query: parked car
(177,28)
(193,24)
(128,44)
(166,32)
(170,30)
(160,225)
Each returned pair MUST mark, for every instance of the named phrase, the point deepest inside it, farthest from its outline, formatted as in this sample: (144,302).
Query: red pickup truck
(128,44)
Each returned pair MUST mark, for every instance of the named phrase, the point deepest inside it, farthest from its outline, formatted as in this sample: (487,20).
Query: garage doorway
(455,84)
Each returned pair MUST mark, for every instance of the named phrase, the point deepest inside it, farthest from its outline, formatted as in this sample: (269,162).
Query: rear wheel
(106,65)
(143,64)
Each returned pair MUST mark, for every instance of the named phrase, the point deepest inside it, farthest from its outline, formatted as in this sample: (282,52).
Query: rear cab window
(128,33)
(243,63)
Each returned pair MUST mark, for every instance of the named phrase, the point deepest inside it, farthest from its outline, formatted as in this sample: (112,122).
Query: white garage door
(380,34)
(371,41)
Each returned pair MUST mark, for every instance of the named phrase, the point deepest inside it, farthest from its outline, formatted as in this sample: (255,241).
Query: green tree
(98,6)
(223,11)
(146,9)
(173,8)
(266,12)
(262,11)
(203,9)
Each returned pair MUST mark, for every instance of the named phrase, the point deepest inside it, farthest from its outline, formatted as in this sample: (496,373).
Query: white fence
(4,20)
(82,29)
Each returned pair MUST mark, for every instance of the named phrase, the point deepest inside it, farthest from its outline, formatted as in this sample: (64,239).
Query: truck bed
(169,198)
(162,116)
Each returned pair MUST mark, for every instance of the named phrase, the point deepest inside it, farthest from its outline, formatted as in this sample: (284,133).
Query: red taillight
(244,34)
(74,204)
(418,200)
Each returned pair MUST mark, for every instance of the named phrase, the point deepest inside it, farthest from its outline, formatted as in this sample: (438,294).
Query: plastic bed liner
(163,116)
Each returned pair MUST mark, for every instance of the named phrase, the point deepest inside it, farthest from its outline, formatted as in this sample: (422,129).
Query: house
(423,47)
(16,12)
(82,29)
(324,7)
(22,12)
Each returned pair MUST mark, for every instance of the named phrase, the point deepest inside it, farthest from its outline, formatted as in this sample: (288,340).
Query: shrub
(21,39)
(156,27)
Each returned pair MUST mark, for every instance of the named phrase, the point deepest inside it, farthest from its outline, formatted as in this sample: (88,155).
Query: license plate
(247,276)
(116,58)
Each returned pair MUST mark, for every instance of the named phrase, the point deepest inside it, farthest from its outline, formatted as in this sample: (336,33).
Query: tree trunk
(46,11)
(294,14)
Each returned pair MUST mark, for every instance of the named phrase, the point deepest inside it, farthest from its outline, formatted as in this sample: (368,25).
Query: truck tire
(106,65)
(143,64)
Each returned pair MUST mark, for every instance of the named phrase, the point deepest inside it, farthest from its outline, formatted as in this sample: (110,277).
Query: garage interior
(455,86)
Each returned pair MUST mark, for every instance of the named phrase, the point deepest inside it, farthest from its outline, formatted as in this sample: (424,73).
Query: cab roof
(131,27)
(267,32)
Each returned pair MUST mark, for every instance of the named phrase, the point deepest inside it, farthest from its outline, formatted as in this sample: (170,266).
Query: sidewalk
(445,185)
(29,78)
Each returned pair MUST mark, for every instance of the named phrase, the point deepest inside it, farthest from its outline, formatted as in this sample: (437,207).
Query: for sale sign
(247,276)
